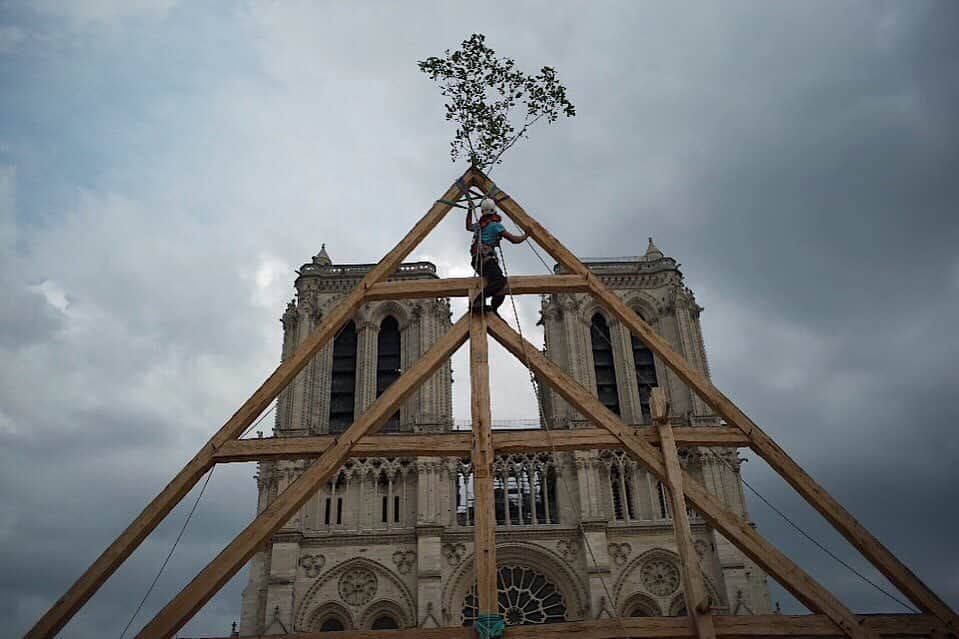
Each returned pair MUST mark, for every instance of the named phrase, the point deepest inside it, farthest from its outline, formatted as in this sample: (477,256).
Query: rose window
(357,586)
(525,597)
(660,577)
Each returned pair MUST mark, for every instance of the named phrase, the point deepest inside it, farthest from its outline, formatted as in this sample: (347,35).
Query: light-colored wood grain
(459,444)
(697,602)
(777,565)
(461,286)
(484,526)
(841,519)
(727,627)
(231,559)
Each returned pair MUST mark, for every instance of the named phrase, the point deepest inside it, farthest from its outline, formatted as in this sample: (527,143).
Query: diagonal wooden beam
(238,552)
(697,602)
(104,566)
(791,576)
(459,444)
(817,496)
(484,529)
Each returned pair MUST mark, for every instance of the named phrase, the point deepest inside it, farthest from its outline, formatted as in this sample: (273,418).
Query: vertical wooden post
(484,527)
(697,601)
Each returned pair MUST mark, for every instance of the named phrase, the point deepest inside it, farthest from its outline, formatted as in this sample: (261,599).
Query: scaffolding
(654,448)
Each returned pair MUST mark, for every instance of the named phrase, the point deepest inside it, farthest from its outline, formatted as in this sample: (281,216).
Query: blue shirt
(490,234)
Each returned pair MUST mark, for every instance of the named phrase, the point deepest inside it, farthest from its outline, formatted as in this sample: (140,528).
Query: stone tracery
(652,286)
(525,597)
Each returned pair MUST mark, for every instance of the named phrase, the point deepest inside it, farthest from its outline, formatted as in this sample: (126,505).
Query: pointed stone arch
(624,592)
(637,603)
(379,311)
(324,612)
(644,305)
(389,587)
(385,607)
(526,554)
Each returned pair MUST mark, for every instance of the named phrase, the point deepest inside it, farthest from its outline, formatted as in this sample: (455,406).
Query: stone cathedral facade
(388,543)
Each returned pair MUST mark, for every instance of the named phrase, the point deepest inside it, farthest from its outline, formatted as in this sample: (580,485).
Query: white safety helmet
(487,205)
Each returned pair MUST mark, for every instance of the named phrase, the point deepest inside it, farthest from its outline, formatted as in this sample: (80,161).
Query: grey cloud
(173,167)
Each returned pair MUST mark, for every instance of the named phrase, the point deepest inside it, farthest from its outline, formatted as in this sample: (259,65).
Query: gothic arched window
(384,622)
(332,623)
(621,484)
(343,379)
(388,364)
(603,363)
(645,374)
(525,597)
(663,498)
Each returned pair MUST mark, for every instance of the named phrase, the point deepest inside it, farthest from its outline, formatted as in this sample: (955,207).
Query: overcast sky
(165,166)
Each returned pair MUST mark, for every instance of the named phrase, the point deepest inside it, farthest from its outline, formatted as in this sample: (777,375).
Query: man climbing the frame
(487,234)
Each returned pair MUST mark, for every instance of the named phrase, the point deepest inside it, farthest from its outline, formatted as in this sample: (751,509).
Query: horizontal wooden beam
(754,626)
(461,286)
(458,444)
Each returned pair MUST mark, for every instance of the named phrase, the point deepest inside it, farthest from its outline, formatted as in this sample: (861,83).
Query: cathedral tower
(388,542)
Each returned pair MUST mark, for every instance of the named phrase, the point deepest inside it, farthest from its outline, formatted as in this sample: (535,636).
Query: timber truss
(655,449)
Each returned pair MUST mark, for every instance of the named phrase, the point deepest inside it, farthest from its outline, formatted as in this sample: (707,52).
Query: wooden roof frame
(830,618)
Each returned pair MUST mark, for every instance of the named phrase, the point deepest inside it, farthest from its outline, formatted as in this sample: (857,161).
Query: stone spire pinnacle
(322,258)
(652,251)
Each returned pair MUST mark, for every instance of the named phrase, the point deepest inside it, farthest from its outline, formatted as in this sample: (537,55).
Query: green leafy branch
(483,94)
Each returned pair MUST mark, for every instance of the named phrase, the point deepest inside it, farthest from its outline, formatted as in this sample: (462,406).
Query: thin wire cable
(552,443)
(257,422)
(759,495)
(810,537)
(179,536)
(786,518)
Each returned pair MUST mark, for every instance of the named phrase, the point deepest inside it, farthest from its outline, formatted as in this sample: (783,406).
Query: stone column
(690,348)
(284,405)
(279,597)
(588,483)
(429,585)
(366,350)
(577,343)
(629,406)
(298,422)
(596,546)
(554,331)
(409,353)
(321,397)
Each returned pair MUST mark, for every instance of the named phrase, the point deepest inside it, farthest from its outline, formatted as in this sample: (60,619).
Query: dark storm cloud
(163,168)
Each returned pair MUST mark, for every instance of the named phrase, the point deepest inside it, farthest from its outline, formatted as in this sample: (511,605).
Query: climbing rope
(552,444)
